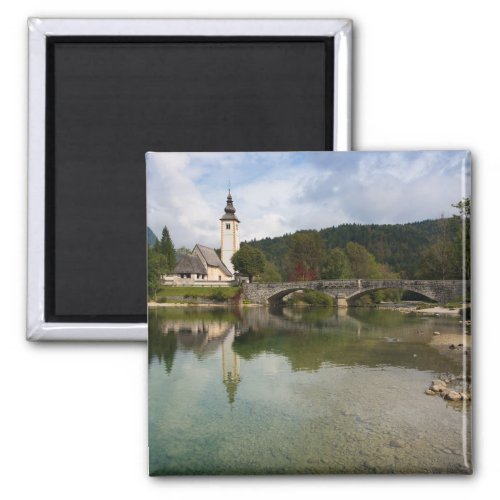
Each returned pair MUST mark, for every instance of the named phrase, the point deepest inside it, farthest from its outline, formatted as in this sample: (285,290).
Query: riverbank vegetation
(179,294)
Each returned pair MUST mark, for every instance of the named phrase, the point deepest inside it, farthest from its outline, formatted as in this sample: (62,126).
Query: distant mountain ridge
(397,245)
(152,238)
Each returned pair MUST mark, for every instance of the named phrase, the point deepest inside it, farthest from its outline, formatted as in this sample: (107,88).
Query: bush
(218,295)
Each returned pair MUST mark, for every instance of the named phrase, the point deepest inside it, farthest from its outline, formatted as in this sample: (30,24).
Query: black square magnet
(103,92)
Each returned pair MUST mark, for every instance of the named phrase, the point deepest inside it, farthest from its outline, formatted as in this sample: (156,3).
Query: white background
(73,421)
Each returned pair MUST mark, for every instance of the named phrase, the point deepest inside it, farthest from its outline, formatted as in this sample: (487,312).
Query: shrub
(218,295)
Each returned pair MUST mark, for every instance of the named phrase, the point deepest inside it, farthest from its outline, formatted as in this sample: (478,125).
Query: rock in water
(430,392)
(436,333)
(453,396)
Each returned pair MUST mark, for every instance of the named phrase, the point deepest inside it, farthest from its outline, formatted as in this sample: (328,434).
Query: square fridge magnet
(309,313)
(103,92)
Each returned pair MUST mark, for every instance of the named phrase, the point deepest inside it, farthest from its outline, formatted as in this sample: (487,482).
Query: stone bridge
(346,291)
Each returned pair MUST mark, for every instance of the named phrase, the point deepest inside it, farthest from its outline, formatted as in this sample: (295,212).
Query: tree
(156,265)
(249,261)
(305,256)
(270,274)
(437,260)
(180,252)
(336,265)
(166,248)
(362,262)
(462,245)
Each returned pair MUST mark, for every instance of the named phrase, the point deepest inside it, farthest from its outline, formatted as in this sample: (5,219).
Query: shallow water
(259,391)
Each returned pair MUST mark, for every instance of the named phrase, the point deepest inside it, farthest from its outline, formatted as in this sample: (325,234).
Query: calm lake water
(263,391)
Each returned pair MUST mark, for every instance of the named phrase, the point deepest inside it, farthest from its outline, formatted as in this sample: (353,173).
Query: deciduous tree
(305,256)
(336,265)
(249,261)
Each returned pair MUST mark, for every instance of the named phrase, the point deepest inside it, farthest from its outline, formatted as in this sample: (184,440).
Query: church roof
(229,211)
(212,259)
(190,264)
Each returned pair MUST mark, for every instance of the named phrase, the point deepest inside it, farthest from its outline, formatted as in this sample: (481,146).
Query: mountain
(397,245)
(152,238)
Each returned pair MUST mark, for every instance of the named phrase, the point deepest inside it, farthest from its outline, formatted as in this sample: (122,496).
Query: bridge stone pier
(346,291)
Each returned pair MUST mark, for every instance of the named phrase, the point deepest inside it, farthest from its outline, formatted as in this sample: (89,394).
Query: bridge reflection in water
(307,337)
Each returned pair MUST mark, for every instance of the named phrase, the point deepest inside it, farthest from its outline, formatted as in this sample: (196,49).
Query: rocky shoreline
(445,388)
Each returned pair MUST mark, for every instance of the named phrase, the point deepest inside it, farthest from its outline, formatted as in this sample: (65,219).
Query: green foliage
(441,260)
(180,252)
(336,265)
(312,298)
(249,261)
(362,262)
(228,292)
(218,295)
(305,256)
(463,234)
(157,264)
(398,246)
(166,248)
(270,274)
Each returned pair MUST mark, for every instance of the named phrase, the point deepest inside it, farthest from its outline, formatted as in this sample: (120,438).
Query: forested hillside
(402,247)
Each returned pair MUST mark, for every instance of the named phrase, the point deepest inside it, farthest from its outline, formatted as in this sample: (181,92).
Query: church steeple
(229,211)
(229,233)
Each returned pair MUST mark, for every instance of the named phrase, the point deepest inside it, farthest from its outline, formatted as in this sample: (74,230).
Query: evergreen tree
(166,248)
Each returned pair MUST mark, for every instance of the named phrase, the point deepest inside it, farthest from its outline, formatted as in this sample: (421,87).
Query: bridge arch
(365,291)
(278,296)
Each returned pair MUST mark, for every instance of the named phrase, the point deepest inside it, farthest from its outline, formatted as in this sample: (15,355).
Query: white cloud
(277,193)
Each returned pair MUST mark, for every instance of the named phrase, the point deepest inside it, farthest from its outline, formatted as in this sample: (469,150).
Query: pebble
(396,443)
(436,333)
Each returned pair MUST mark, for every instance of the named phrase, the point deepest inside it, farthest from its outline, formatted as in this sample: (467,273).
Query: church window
(228,226)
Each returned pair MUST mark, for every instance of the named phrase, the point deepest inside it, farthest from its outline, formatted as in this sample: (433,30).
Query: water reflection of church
(206,337)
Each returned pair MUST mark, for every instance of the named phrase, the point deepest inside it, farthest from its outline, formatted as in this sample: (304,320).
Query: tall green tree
(157,264)
(305,256)
(166,248)
(270,274)
(438,261)
(336,265)
(362,262)
(249,261)
(462,242)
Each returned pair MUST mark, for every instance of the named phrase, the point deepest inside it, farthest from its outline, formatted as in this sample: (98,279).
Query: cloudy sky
(278,193)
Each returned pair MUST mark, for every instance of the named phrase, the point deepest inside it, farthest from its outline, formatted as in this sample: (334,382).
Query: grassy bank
(187,293)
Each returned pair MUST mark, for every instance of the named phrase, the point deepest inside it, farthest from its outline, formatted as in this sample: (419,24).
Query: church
(203,266)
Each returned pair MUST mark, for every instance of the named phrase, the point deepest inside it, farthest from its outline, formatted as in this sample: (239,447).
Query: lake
(304,390)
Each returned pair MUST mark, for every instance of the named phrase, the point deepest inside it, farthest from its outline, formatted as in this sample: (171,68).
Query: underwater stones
(396,443)
(436,333)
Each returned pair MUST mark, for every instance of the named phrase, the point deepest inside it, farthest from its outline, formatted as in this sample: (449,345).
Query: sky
(279,193)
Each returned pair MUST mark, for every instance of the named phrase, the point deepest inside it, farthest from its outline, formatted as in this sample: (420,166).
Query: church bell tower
(229,233)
